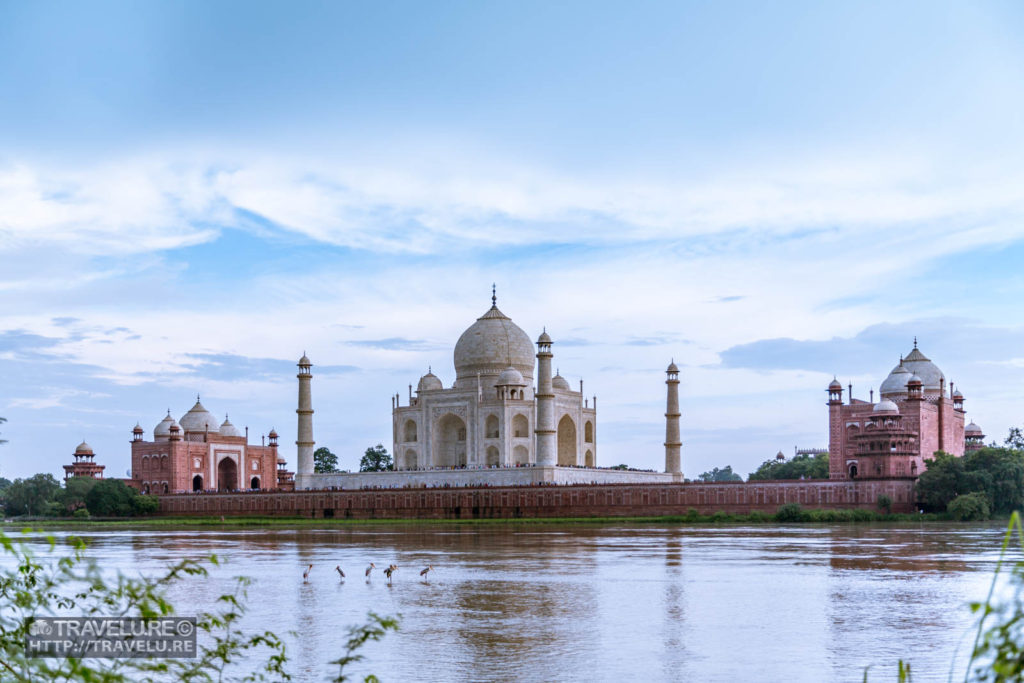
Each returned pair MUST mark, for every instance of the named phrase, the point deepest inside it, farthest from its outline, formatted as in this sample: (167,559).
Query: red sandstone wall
(609,500)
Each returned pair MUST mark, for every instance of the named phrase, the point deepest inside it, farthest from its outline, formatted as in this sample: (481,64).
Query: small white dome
(886,406)
(559,382)
(914,379)
(429,382)
(510,377)
(164,427)
(228,429)
(83,449)
(973,429)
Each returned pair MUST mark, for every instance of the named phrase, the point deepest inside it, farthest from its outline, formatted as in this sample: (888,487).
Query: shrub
(969,507)
(790,512)
(81,513)
(885,503)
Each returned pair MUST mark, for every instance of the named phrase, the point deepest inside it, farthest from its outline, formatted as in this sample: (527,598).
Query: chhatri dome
(228,429)
(490,345)
(429,382)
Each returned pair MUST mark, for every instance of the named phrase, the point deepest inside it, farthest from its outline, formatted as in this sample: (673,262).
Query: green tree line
(43,496)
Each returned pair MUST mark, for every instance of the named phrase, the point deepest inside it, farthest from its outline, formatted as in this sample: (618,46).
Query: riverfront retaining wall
(602,500)
(483,477)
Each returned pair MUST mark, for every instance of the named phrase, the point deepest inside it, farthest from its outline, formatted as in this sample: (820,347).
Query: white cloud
(402,205)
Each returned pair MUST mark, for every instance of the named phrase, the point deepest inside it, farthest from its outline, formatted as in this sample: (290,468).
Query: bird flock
(388,572)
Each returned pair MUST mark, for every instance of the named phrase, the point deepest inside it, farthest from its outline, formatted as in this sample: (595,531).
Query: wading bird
(340,573)
(389,571)
(305,574)
(370,569)
(426,571)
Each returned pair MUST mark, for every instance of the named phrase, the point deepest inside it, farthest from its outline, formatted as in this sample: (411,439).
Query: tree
(62,585)
(324,461)
(998,473)
(114,498)
(376,459)
(2,420)
(804,466)
(31,496)
(724,474)
(1014,440)
(72,497)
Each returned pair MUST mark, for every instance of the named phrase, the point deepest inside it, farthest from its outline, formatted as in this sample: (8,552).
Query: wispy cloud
(396,344)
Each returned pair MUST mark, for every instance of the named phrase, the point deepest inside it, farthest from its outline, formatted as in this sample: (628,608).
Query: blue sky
(192,194)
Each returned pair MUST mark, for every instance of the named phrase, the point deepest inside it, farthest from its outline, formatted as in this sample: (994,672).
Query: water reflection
(545,602)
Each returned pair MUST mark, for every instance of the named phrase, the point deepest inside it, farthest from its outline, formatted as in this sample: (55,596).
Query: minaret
(305,410)
(672,442)
(547,447)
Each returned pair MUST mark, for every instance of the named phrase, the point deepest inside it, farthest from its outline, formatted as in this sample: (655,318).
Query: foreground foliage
(68,584)
(998,651)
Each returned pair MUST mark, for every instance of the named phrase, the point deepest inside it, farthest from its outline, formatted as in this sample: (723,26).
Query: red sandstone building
(83,466)
(914,418)
(198,454)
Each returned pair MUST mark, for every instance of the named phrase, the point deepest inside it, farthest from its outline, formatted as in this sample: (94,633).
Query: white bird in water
(389,571)
(426,571)
(305,574)
(370,569)
(340,573)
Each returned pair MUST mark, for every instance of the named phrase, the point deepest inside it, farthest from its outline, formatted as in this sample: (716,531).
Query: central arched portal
(197,483)
(566,441)
(227,475)
(450,447)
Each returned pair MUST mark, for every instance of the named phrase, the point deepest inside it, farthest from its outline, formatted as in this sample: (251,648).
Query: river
(612,602)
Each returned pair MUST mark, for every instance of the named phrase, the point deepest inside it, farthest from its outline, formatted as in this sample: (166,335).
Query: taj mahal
(487,418)
(492,426)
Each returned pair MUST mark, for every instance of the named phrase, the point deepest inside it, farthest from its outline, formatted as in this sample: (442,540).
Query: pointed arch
(566,441)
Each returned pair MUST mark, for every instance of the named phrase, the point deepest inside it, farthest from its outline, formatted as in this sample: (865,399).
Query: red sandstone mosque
(199,454)
(913,418)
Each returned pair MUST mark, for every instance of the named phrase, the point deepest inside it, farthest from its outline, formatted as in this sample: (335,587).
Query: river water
(615,602)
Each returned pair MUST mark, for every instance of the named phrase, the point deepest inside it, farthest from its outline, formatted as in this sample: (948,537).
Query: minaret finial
(197,398)
(430,370)
(494,294)
(915,341)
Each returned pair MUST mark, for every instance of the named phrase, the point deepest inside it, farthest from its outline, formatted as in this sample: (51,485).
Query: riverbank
(788,516)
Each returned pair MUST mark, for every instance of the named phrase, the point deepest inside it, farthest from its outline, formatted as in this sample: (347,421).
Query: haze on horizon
(194,194)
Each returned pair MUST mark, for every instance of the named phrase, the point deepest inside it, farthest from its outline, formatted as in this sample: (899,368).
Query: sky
(193,194)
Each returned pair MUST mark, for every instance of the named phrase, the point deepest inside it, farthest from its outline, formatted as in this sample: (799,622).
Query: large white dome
(490,345)
(198,419)
(916,363)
